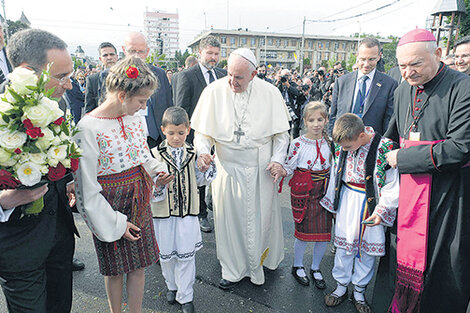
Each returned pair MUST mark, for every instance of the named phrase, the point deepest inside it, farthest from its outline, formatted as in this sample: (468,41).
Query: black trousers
(47,289)
(202,202)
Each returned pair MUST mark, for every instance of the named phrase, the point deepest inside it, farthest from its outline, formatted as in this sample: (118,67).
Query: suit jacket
(394,73)
(378,107)
(10,69)
(91,92)
(158,103)
(188,88)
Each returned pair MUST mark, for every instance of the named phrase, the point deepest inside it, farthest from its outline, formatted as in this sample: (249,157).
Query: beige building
(162,32)
(283,49)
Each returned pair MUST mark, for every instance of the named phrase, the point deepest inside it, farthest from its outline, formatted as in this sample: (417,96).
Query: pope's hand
(276,170)
(204,161)
(392,158)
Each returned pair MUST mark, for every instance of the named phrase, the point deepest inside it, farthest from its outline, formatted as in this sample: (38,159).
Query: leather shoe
(171,296)
(77,265)
(333,300)
(301,280)
(188,307)
(361,306)
(319,283)
(226,285)
(205,225)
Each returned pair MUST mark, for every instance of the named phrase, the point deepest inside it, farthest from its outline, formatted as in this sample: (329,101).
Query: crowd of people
(378,164)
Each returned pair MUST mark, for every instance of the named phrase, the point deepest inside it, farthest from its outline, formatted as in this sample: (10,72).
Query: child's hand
(204,161)
(375,219)
(276,170)
(132,232)
(164,179)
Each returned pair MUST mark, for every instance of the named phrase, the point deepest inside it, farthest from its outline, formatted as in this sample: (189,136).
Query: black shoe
(77,265)
(188,307)
(302,280)
(171,296)
(205,225)
(361,306)
(226,285)
(319,283)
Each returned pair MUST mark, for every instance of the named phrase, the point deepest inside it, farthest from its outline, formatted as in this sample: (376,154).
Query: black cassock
(442,112)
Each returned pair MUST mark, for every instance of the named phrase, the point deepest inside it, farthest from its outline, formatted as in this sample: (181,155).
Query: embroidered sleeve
(292,157)
(327,201)
(388,199)
(385,146)
(159,192)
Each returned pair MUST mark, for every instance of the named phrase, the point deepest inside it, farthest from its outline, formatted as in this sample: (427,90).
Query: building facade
(283,50)
(162,32)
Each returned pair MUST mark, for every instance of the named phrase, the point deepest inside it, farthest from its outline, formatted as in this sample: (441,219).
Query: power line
(345,10)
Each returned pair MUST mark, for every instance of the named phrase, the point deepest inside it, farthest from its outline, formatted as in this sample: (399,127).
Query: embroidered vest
(370,166)
(182,195)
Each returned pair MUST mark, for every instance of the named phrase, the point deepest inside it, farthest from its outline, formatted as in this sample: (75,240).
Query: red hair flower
(132,72)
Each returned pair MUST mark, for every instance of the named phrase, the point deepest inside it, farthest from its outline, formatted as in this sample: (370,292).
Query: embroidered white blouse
(303,153)
(110,146)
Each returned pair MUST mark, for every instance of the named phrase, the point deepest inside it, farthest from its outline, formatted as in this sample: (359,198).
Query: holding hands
(276,170)
(204,161)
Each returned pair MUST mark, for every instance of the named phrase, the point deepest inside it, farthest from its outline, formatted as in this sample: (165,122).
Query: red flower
(34,132)
(7,181)
(132,72)
(56,173)
(297,144)
(59,121)
(74,164)
(294,152)
(28,124)
(17,151)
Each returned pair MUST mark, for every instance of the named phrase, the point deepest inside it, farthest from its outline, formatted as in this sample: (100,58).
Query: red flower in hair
(132,72)
(59,121)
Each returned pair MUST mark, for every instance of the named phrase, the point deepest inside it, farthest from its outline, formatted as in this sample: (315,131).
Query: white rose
(53,162)
(56,141)
(38,158)
(22,77)
(43,144)
(6,158)
(44,170)
(53,106)
(12,140)
(66,163)
(4,106)
(63,136)
(9,97)
(48,134)
(29,174)
(57,152)
(40,115)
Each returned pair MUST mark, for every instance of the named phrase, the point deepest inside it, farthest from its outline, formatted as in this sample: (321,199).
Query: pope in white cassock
(247,121)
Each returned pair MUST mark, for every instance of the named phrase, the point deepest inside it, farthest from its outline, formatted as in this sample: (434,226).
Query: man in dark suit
(5,66)
(135,44)
(36,251)
(365,92)
(95,83)
(186,92)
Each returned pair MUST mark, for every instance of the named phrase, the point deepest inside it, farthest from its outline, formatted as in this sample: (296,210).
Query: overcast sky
(90,22)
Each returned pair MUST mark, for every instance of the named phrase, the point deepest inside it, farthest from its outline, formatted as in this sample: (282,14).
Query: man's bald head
(135,44)
(240,72)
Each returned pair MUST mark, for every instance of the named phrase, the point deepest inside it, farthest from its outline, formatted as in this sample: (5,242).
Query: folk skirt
(129,193)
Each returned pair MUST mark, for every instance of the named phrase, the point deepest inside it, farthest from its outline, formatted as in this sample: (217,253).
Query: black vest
(370,166)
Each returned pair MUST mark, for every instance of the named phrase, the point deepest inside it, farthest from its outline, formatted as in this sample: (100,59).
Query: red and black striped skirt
(129,193)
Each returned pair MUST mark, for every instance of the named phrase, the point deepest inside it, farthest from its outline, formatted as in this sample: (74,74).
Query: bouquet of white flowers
(35,139)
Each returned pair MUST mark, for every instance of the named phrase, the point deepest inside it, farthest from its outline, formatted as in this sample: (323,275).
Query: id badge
(415,136)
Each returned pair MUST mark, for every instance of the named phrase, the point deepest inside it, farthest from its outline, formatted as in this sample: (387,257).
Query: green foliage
(324,63)
(222,64)
(181,57)
(156,58)
(465,21)
(77,62)
(306,61)
(14,27)
(351,61)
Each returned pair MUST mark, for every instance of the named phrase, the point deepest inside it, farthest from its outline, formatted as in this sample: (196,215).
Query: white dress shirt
(205,73)
(368,83)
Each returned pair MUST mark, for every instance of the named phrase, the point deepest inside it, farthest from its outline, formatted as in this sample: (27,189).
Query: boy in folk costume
(363,192)
(175,208)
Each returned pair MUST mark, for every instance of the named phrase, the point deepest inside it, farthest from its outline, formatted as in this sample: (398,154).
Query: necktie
(361,96)
(211,77)
(2,76)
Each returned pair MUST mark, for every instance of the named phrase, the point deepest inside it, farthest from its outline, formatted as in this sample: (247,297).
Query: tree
(222,63)
(14,27)
(465,21)
(181,57)
(351,61)
(156,59)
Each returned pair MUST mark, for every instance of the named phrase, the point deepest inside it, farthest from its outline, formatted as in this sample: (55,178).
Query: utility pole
(302,49)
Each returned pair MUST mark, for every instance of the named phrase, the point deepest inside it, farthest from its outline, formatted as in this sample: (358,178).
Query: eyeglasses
(134,52)
(62,81)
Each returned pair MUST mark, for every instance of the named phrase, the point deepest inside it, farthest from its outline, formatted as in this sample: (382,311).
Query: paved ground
(280,293)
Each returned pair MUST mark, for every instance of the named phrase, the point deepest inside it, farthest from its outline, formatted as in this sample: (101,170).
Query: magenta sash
(412,237)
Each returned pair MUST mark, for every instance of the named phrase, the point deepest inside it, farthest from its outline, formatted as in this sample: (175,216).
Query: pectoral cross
(239,133)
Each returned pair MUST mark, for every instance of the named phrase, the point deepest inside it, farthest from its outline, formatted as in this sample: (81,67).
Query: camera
(284,79)
(305,87)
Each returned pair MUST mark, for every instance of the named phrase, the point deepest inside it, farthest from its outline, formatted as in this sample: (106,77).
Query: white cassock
(248,225)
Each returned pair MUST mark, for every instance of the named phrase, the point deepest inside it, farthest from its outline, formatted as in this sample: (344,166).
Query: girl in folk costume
(114,183)
(175,208)
(309,161)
